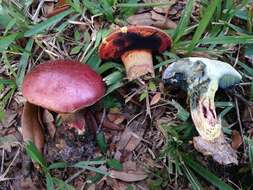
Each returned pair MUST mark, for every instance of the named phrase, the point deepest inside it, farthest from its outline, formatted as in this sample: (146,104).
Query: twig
(34,17)
(237,56)
(75,176)
(2,163)
(102,120)
(239,122)
(2,177)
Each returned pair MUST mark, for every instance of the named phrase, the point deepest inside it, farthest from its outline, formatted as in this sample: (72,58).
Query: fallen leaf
(151,19)
(219,149)
(155,99)
(52,9)
(48,120)
(116,118)
(108,124)
(129,166)
(48,8)
(161,21)
(161,9)
(140,19)
(130,176)
(130,139)
(30,126)
(236,139)
(92,187)
(119,185)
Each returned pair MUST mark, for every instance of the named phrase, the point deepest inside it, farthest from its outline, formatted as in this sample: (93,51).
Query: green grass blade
(185,17)
(6,41)
(37,28)
(91,162)
(62,185)
(203,23)
(192,178)
(247,69)
(35,155)
(49,182)
(57,165)
(244,39)
(251,91)
(135,5)
(206,174)
(23,62)
(250,152)
(86,165)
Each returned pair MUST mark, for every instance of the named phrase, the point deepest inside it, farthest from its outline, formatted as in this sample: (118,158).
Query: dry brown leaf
(219,149)
(161,21)
(48,8)
(129,166)
(119,185)
(116,118)
(48,120)
(155,99)
(236,139)
(140,19)
(130,139)
(130,176)
(153,19)
(92,187)
(161,9)
(31,128)
(52,9)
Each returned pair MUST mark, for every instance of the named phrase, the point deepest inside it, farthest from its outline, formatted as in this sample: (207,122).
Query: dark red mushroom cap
(134,37)
(63,86)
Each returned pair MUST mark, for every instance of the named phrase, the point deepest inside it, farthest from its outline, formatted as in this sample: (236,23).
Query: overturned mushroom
(201,77)
(65,87)
(135,46)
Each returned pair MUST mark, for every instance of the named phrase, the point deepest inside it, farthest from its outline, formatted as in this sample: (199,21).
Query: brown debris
(236,139)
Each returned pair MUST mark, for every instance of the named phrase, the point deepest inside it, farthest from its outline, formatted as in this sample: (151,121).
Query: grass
(223,30)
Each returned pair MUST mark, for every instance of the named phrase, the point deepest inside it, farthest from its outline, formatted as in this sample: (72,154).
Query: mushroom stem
(203,110)
(75,120)
(137,63)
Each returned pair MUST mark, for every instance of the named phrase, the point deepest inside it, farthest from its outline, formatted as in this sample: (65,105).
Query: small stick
(240,123)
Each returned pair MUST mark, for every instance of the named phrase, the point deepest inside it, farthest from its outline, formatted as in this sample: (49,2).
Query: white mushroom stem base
(219,149)
(203,111)
(138,63)
(75,120)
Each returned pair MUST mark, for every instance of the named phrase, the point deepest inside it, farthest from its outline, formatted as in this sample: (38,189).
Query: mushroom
(201,77)
(65,87)
(135,46)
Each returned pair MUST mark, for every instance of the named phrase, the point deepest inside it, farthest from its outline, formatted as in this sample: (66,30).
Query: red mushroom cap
(134,37)
(63,86)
